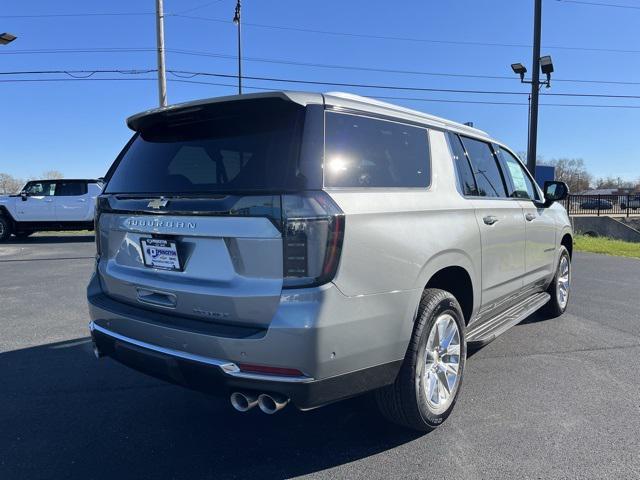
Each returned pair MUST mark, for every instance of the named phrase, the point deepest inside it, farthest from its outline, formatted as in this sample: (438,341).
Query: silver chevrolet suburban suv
(304,248)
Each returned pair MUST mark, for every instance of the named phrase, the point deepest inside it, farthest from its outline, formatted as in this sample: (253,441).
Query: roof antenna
(469,124)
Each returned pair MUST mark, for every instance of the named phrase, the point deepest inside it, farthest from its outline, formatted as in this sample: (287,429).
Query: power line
(191,74)
(406,39)
(198,7)
(187,74)
(399,87)
(77,50)
(344,34)
(98,14)
(388,70)
(436,100)
(598,4)
(303,64)
(133,71)
(108,14)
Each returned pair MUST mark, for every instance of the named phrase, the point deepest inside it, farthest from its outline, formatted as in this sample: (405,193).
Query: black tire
(404,402)
(5,229)
(554,308)
(23,234)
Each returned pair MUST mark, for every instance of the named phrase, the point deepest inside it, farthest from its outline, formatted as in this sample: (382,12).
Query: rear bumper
(219,377)
(343,345)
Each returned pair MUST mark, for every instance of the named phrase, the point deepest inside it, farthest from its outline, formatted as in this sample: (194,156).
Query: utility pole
(238,22)
(535,88)
(162,75)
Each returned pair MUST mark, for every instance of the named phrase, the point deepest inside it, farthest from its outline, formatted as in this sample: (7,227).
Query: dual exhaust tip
(267,402)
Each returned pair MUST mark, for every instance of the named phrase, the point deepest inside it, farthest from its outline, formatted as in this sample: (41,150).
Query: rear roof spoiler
(140,120)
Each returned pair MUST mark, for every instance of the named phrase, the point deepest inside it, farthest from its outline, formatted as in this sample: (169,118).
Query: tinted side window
(40,189)
(463,168)
(70,189)
(366,152)
(485,168)
(522,184)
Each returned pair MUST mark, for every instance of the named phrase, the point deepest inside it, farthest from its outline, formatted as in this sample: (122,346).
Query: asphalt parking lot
(549,399)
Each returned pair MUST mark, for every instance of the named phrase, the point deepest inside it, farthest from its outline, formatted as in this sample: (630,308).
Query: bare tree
(52,175)
(573,172)
(9,184)
(613,182)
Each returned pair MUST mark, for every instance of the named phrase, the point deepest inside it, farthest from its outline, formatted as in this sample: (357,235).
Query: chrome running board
(490,329)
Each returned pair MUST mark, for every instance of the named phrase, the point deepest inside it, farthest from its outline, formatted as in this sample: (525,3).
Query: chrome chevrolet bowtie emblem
(158,203)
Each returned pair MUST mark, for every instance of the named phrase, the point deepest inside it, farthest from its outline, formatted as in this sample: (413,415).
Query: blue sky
(78,127)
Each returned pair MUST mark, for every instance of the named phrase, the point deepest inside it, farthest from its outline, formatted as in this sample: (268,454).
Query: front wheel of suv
(5,229)
(430,378)
(560,287)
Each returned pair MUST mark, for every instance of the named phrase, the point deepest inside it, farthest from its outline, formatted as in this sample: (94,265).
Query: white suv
(49,205)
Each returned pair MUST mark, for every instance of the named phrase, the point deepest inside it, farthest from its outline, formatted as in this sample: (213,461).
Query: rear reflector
(267,370)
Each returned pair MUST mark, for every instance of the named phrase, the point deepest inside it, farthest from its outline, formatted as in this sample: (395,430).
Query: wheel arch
(4,212)
(567,242)
(455,272)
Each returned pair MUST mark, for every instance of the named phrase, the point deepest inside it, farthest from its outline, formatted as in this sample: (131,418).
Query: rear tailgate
(231,267)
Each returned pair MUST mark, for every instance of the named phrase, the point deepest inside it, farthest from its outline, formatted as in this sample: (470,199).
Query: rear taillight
(312,239)
(101,204)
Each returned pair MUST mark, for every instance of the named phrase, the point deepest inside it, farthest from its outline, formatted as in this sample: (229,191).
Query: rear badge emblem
(158,203)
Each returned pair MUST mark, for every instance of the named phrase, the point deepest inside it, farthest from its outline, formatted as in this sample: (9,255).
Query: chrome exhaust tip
(243,402)
(270,404)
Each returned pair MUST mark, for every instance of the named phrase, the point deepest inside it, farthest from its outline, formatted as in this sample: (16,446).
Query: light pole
(237,21)
(539,63)
(6,38)
(535,87)
(544,64)
(162,75)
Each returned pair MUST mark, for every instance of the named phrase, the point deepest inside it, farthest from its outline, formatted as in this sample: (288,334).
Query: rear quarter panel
(396,239)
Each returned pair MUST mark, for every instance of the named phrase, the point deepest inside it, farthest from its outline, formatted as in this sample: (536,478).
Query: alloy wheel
(442,363)
(564,282)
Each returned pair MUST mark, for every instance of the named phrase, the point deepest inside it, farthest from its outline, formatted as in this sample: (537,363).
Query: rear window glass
(230,147)
(366,152)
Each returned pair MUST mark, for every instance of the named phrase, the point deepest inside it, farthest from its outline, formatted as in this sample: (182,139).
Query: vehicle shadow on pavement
(41,239)
(65,414)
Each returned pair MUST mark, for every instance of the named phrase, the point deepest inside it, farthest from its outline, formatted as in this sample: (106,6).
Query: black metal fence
(624,205)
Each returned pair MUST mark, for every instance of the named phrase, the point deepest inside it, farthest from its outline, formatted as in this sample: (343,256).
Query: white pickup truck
(51,205)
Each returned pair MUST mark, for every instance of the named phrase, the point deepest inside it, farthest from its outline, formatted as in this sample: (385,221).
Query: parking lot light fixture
(546,66)
(519,69)
(6,38)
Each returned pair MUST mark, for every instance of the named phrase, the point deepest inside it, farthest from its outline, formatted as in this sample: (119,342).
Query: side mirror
(24,196)
(554,192)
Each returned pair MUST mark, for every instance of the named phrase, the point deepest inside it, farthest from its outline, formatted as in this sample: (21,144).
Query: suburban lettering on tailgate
(141,222)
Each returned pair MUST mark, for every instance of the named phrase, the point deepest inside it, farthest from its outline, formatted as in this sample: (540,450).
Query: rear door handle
(82,199)
(530,217)
(490,219)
